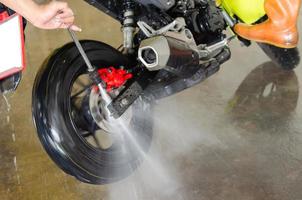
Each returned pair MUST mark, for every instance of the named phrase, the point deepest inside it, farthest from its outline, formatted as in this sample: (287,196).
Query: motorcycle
(169,46)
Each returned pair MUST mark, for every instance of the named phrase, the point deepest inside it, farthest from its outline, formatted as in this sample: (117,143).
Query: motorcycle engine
(207,23)
(203,17)
(209,19)
(163,4)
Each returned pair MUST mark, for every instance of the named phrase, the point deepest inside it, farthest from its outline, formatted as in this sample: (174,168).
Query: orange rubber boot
(281,27)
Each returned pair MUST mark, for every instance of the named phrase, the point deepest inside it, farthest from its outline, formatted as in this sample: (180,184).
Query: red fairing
(114,78)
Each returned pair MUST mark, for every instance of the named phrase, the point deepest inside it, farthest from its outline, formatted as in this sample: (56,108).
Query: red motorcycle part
(114,78)
(3,15)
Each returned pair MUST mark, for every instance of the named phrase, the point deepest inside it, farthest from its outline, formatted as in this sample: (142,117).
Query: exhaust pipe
(169,54)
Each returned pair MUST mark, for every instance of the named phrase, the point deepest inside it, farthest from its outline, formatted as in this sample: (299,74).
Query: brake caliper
(114,78)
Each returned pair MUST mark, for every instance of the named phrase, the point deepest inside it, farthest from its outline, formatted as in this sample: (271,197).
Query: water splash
(157,177)
(10,124)
(8,106)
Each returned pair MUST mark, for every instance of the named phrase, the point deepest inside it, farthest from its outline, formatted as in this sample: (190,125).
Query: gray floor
(236,136)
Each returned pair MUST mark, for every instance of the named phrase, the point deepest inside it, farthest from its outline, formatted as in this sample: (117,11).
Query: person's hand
(54,15)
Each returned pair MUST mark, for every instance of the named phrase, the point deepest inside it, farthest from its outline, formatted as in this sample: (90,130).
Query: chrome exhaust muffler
(162,52)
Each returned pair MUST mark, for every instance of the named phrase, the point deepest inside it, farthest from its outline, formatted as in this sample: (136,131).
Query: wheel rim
(58,132)
(86,107)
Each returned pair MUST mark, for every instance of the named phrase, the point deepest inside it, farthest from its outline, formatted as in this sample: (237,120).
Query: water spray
(119,125)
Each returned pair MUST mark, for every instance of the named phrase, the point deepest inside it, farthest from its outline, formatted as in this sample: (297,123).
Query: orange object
(280,29)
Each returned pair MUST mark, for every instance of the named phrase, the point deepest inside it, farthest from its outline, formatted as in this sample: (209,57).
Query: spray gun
(93,73)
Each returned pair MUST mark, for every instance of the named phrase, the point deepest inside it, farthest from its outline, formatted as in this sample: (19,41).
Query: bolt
(124,102)
(188,34)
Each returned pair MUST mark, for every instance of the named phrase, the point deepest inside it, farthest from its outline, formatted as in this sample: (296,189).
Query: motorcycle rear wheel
(63,133)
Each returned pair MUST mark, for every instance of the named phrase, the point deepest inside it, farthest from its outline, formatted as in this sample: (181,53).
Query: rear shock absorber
(128,25)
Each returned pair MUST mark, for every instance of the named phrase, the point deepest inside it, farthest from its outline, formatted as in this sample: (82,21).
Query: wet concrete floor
(236,136)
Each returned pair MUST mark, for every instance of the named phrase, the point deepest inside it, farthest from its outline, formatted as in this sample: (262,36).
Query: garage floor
(236,136)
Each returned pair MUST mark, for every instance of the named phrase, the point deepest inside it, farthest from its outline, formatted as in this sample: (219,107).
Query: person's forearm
(53,15)
(23,7)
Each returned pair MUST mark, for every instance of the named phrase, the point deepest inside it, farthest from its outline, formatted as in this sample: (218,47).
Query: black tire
(60,135)
(286,59)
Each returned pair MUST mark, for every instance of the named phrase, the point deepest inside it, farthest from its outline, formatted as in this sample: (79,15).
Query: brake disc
(97,105)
